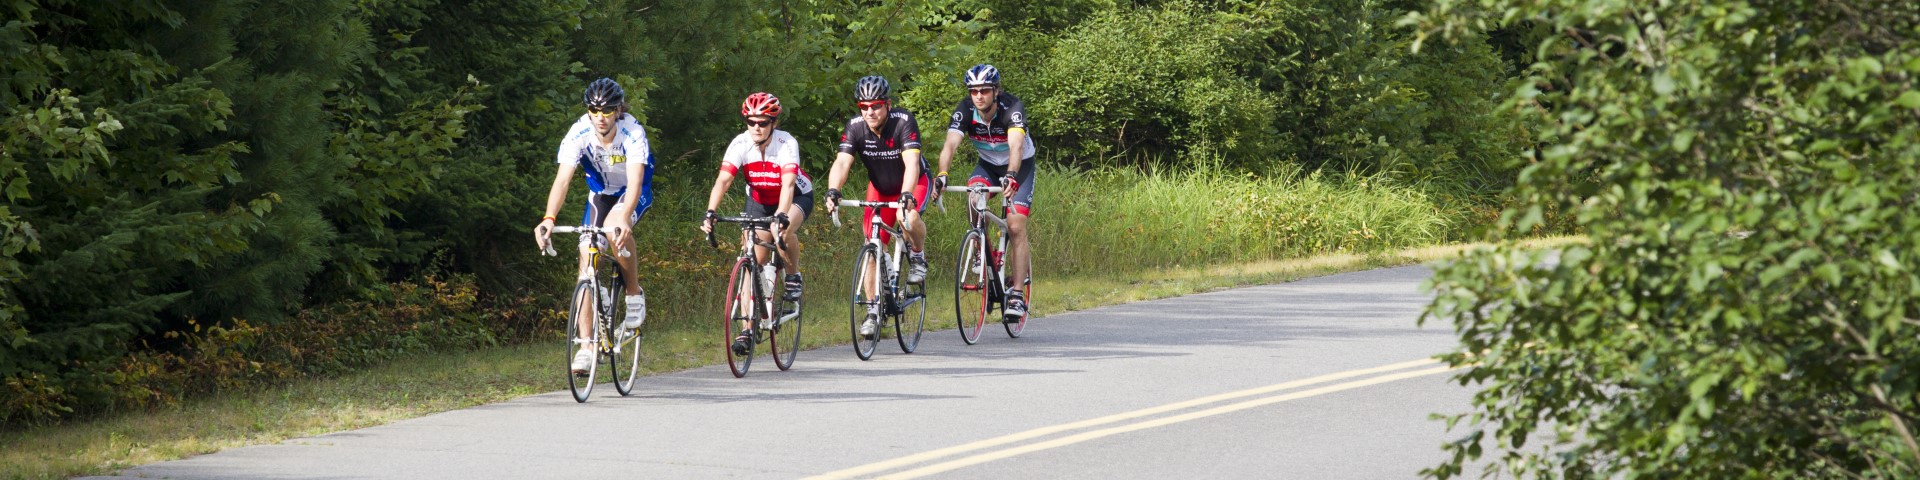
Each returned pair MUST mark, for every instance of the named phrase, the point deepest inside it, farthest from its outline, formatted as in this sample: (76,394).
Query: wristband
(545,218)
(943,173)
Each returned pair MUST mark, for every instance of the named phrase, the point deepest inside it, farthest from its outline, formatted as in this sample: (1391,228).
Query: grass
(1102,237)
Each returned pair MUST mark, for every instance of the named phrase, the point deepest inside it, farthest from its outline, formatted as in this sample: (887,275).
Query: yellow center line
(1082,437)
(1044,431)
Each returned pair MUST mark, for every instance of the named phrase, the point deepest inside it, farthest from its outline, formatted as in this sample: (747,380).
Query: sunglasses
(872,104)
(759,123)
(603,113)
(981,91)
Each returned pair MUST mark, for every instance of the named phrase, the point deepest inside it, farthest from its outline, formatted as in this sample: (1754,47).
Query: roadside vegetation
(1747,304)
(433,347)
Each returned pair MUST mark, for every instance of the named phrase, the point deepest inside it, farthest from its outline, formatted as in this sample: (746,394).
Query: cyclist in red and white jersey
(608,142)
(770,160)
(997,123)
(886,139)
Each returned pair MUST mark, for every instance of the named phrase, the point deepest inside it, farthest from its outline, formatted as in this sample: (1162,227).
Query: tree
(1746,173)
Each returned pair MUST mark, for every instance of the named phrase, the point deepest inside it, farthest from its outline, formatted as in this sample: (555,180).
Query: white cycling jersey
(763,168)
(606,165)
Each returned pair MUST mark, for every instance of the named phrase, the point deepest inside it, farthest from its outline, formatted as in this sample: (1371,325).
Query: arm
(1016,147)
(837,176)
(720,185)
(556,197)
(946,159)
(911,177)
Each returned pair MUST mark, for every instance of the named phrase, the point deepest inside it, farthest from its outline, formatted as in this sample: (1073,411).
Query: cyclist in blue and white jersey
(608,142)
(997,123)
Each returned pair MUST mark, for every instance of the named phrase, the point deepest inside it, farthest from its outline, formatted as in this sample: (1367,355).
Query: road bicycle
(764,312)
(880,296)
(980,282)
(597,297)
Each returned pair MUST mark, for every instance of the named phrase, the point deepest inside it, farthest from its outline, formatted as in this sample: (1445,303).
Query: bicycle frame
(590,272)
(593,303)
(979,216)
(750,227)
(889,262)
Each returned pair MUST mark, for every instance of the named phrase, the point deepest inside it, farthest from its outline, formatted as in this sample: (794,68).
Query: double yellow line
(963,461)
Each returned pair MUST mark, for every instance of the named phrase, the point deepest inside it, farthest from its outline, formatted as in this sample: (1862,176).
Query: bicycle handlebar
(580,230)
(862,203)
(969,188)
(748,223)
(966,189)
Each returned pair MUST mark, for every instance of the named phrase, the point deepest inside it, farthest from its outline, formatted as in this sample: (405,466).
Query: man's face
(603,119)
(874,112)
(761,127)
(982,96)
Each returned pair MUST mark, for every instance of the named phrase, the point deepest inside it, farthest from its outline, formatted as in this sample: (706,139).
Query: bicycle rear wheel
(970,302)
(786,333)
(739,309)
(581,307)
(863,305)
(626,345)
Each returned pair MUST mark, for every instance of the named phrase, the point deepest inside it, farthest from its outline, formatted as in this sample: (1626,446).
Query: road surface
(1321,378)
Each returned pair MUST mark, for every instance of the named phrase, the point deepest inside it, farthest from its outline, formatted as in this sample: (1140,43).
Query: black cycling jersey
(881,153)
(989,135)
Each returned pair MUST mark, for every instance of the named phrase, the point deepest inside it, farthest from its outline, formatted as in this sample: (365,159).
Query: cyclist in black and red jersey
(887,140)
(997,123)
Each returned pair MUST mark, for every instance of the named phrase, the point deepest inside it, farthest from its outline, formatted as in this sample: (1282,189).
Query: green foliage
(1747,304)
(1159,79)
(228,165)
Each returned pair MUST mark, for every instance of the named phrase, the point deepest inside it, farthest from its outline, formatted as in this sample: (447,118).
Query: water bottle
(766,280)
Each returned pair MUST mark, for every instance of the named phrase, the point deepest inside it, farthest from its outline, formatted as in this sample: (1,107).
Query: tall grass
(1110,222)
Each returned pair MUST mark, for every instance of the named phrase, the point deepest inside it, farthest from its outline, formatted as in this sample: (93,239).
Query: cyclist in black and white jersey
(886,139)
(996,121)
(612,147)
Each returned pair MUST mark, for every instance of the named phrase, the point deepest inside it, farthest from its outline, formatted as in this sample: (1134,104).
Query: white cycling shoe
(636,312)
(583,361)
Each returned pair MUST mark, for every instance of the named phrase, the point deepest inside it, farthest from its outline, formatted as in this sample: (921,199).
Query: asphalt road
(1321,378)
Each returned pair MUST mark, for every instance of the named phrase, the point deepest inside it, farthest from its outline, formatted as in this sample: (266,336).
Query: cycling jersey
(764,168)
(881,153)
(607,166)
(990,135)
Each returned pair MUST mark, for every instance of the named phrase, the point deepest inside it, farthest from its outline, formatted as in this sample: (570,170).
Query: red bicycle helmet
(760,103)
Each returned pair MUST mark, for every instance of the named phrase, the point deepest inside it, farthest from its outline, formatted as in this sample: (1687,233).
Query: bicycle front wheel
(739,310)
(786,333)
(864,307)
(970,302)
(626,345)
(581,309)
(910,315)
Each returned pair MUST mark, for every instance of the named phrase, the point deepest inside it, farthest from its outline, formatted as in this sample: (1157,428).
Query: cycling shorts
(989,175)
(804,200)
(892,215)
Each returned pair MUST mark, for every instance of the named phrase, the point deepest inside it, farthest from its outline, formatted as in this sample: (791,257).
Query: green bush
(1159,80)
(1746,173)
(406,319)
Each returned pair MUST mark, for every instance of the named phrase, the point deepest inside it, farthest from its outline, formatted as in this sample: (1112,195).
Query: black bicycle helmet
(871,87)
(605,93)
